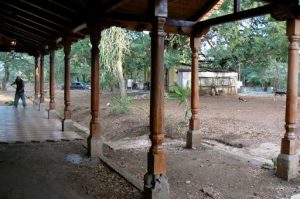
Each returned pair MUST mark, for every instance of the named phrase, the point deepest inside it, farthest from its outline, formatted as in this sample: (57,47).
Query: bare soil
(200,173)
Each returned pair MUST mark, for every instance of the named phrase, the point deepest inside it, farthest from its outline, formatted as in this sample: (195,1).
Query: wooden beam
(234,17)
(46,11)
(34,22)
(179,23)
(236,6)
(62,6)
(22,37)
(25,33)
(24,24)
(32,14)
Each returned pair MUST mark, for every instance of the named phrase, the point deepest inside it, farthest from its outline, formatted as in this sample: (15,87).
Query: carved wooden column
(193,135)
(67,123)
(51,112)
(155,181)
(36,79)
(42,83)
(94,140)
(288,161)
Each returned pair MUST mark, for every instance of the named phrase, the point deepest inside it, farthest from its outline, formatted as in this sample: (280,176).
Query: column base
(156,187)
(52,114)
(36,103)
(42,106)
(287,166)
(67,125)
(193,139)
(95,146)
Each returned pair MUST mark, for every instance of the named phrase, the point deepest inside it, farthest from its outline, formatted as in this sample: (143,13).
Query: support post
(288,161)
(95,140)
(155,180)
(42,84)
(67,123)
(36,79)
(51,111)
(193,135)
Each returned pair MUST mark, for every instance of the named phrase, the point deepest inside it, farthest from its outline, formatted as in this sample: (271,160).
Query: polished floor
(19,125)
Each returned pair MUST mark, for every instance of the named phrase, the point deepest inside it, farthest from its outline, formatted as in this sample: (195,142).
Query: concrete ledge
(132,180)
(193,139)
(67,125)
(287,166)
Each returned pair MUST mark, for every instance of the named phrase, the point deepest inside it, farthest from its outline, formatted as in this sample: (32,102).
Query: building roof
(38,24)
(35,24)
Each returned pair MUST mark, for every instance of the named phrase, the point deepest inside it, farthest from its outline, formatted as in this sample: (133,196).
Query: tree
(114,44)
(13,64)
(258,42)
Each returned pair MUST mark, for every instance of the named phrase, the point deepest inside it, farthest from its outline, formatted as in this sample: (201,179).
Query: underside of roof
(37,24)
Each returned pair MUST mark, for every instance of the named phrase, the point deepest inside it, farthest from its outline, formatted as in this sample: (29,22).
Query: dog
(242,99)
(280,93)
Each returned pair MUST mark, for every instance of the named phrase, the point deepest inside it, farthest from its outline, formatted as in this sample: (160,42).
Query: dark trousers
(17,97)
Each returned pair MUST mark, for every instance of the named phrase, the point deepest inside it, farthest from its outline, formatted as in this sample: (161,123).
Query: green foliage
(120,104)
(180,94)
(255,45)
(16,64)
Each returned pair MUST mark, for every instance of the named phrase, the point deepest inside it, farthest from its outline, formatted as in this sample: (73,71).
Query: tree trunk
(5,78)
(121,78)
(166,80)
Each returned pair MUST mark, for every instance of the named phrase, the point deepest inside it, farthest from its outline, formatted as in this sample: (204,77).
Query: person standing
(20,93)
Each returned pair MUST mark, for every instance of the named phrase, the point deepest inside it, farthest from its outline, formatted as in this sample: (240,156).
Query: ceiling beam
(24,24)
(46,10)
(263,10)
(16,29)
(62,6)
(21,38)
(32,14)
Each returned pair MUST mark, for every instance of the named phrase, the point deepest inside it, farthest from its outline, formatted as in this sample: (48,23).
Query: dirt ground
(243,127)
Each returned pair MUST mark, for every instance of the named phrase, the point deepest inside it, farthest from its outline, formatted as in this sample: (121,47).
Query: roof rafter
(24,24)
(32,14)
(16,29)
(46,10)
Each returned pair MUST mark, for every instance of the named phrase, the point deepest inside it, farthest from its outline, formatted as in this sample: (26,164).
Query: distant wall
(217,82)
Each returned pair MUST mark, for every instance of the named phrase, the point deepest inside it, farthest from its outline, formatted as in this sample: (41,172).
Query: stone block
(156,186)
(67,125)
(193,139)
(95,146)
(287,166)
(42,107)
(52,114)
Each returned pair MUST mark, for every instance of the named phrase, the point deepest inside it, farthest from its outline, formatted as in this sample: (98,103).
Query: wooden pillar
(94,140)
(67,121)
(36,79)
(42,80)
(193,135)
(155,181)
(51,112)
(288,161)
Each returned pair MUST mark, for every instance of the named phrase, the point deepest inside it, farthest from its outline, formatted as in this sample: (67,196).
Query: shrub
(120,104)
